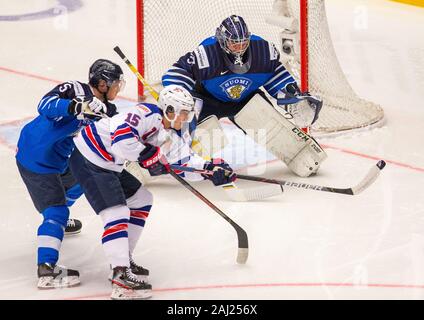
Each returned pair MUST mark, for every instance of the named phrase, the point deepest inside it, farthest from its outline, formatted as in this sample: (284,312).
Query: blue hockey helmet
(106,70)
(233,37)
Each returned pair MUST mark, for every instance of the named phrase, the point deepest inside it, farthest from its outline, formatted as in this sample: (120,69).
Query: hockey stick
(231,190)
(371,176)
(135,71)
(243,249)
(243,244)
(256,193)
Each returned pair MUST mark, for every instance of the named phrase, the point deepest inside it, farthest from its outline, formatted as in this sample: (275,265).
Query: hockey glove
(91,108)
(149,159)
(223,174)
(303,107)
(111,109)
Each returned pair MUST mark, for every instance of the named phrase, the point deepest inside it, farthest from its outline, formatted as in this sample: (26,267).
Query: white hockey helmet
(177,100)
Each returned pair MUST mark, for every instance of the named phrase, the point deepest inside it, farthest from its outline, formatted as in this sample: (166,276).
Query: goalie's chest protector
(227,86)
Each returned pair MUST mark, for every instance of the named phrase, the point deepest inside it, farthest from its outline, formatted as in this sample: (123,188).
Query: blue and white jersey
(45,143)
(205,67)
(109,142)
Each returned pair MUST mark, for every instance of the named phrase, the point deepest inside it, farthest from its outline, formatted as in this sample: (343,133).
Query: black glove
(111,109)
(149,159)
(223,174)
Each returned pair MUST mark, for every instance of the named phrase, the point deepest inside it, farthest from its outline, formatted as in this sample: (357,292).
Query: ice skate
(141,273)
(73,226)
(51,276)
(126,286)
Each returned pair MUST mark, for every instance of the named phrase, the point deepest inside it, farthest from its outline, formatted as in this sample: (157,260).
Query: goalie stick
(232,191)
(371,176)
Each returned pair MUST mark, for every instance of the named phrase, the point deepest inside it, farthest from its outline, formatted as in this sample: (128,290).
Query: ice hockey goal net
(167,29)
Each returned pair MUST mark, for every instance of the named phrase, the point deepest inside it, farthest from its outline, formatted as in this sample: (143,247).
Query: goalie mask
(234,38)
(108,71)
(176,101)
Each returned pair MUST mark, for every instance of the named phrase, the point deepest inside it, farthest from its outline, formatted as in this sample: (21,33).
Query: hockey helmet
(233,37)
(108,71)
(176,100)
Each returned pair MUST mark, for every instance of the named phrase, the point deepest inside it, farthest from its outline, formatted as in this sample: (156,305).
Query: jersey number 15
(133,119)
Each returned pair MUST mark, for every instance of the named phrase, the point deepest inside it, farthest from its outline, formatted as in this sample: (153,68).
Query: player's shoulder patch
(149,109)
(201,57)
(78,88)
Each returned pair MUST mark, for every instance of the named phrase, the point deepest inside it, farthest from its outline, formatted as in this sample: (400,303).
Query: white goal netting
(174,27)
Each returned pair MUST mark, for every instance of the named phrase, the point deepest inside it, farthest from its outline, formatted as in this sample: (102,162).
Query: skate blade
(72,233)
(51,283)
(119,293)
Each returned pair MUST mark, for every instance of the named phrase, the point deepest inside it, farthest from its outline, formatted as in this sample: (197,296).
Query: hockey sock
(73,194)
(50,234)
(135,227)
(115,236)
(140,205)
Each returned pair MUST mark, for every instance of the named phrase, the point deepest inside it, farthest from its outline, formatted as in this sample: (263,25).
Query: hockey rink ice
(303,244)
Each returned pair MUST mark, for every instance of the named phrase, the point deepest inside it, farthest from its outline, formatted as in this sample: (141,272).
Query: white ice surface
(303,244)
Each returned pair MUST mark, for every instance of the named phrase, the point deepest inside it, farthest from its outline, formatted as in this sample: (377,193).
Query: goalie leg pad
(308,160)
(209,137)
(269,128)
(138,172)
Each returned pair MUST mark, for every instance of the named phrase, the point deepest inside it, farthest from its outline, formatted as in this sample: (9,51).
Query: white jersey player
(143,134)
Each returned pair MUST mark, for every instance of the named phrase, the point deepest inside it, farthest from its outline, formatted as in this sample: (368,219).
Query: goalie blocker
(298,150)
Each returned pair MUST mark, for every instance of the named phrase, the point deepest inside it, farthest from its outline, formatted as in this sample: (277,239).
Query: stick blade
(370,177)
(242,255)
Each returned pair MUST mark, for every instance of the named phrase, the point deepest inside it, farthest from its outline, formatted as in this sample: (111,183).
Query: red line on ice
(362,155)
(267,285)
(35,76)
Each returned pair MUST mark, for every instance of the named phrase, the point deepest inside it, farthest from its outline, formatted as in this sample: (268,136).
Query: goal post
(167,29)
(140,45)
(304,58)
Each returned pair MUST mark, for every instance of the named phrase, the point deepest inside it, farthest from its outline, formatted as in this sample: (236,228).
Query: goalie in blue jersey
(225,73)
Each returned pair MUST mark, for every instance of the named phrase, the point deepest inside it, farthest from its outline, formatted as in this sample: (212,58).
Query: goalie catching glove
(149,159)
(90,108)
(303,107)
(223,174)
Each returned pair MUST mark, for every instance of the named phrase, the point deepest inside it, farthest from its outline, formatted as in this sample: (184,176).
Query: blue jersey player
(44,147)
(227,71)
